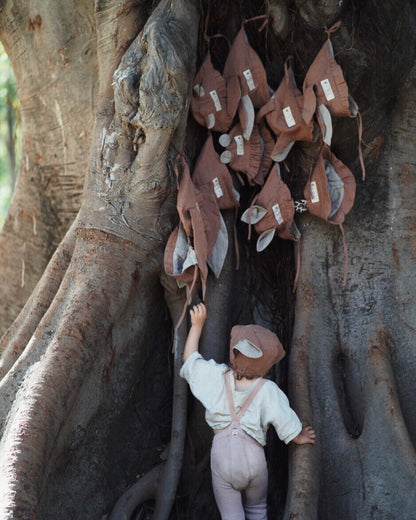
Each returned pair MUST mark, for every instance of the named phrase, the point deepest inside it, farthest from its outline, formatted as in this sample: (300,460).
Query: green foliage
(10,133)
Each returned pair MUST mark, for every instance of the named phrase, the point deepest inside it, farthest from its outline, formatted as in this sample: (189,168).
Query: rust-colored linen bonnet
(254,350)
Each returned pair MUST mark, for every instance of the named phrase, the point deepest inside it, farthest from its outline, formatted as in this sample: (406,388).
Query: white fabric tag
(290,120)
(326,87)
(249,78)
(216,100)
(277,214)
(314,192)
(240,144)
(217,188)
(199,89)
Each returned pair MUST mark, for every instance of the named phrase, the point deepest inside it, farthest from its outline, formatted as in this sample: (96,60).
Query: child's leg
(256,493)
(228,499)
(256,499)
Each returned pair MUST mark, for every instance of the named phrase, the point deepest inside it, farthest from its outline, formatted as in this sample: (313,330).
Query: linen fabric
(238,464)
(270,406)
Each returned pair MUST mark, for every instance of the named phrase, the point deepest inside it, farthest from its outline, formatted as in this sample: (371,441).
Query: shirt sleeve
(285,420)
(205,378)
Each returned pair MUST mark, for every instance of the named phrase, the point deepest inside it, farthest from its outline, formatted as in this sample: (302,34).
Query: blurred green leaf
(10,132)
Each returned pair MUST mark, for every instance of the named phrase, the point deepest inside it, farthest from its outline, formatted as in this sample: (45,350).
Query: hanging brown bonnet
(330,192)
(272,211)
(283,113)
(242,155)
(212,176)
(325,84)
(193,240)
(209,102)
(244,65)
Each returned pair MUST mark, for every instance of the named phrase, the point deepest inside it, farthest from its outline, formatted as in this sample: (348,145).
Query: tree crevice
(350,408)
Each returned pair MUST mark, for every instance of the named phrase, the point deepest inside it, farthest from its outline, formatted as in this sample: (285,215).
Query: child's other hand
(198,315)
(306,436)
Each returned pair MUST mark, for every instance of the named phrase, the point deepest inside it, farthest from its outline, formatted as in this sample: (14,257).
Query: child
(239,407)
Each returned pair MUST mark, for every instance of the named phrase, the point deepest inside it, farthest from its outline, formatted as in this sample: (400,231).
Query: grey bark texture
(94,420)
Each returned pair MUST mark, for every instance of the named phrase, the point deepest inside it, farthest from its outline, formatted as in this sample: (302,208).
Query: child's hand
(198,315)
(306,436)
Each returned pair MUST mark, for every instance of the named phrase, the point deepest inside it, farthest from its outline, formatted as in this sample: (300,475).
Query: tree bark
(52,49)
(90,393)
(113,251)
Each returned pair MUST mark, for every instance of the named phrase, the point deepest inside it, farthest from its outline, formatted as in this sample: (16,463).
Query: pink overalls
(238,464)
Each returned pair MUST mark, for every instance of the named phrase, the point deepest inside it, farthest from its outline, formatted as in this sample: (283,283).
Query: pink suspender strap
(237,416)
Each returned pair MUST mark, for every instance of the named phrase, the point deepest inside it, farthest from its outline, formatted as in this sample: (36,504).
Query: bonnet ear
(281,156)
(219,252)
(246,116)
(253,214)
(339,174)
(335,188)
(325,122)
(264,239)
(179,256)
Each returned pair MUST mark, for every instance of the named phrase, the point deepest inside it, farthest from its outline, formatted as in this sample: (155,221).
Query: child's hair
(239,376)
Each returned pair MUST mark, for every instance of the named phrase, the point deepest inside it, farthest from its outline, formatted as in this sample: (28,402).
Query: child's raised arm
(198,316)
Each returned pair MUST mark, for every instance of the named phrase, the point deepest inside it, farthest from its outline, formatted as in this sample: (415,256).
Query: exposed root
(16,338)
(383,403)
(93,295)
(302,500)
(166,494)
(143,490)
(160,483)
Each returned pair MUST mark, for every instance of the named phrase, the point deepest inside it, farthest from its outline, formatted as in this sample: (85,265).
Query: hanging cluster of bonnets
(257,129)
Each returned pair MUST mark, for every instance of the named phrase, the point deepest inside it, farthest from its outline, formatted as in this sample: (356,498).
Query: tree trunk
(94,418)
(52,48)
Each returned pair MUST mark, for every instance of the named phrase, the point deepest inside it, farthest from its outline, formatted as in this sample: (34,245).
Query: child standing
(239,407)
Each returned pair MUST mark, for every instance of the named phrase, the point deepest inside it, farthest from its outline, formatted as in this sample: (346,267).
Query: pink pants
(238,464)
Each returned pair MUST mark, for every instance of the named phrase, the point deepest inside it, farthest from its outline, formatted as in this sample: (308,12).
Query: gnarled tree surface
(94,419)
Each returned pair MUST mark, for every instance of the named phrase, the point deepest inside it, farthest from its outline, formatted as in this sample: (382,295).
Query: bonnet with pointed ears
(209,102)
(324,84)
(254,350)
(330,191)
(193,240)
(283,113)
(272,211)
(212,176)
(245,74)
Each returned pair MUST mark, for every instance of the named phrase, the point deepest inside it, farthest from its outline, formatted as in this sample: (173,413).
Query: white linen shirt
(270,405)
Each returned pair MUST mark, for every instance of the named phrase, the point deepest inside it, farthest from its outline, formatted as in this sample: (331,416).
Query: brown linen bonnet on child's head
(254,350)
